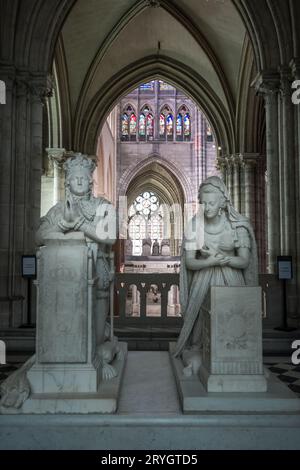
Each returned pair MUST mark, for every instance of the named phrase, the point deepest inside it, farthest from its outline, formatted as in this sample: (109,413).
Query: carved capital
(221,164)
(37,86)
(57,157)
(295,68)
(268,86)
(231,160)
(286,82)
(250,160)
(42,87)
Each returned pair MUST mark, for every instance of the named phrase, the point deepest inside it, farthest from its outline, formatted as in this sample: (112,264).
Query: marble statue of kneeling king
(95,218)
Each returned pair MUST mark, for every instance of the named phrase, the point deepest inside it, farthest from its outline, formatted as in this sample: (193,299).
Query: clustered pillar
(20,181)
(266,188)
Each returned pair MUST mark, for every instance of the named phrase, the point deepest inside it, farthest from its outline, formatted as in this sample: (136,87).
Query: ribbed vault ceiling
(101,37)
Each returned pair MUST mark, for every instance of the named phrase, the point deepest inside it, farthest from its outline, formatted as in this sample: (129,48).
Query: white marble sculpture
(155,248)
(93,217)
(165,248)
(76,351)
(147,243)
(128,247)
(218,249)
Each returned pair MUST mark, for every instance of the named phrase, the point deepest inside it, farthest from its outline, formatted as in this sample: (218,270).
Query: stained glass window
(150,126)
(146,220)
(162,125)
(146,124)
(179,126)
(142,125)
(187,126)
(147,86)
(146,203)
(169,126)
(124,126)
(132,126)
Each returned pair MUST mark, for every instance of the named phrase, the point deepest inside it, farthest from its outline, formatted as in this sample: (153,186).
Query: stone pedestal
(66,375)
(66,359)
(232,340)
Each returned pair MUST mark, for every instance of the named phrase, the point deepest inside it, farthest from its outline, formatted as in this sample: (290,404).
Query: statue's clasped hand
(72,211)
(207,252)
(73,219)
(214,257)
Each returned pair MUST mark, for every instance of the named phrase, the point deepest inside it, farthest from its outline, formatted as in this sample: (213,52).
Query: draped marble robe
(236,233)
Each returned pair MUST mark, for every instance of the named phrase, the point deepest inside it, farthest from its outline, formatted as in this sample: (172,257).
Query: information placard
(285,267)
(29,266)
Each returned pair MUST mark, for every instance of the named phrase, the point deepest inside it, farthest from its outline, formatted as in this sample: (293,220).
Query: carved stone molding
(267,85)
(40,87)
(230,160)
(57,156)
(286,82)
(295,68)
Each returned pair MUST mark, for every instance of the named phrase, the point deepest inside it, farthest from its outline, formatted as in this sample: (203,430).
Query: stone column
(57,158)
(20,182)
(229,175)
(236,181)
(171,305)
(287,169)
(249,164)
(221,166)
(7,206)
(260,213)
(268,87)
(296,73)
(135,301)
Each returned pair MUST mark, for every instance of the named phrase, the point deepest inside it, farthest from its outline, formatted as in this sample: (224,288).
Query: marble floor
(149,385)
(150,418)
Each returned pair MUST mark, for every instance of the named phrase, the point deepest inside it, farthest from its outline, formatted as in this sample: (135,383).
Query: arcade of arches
(162,93)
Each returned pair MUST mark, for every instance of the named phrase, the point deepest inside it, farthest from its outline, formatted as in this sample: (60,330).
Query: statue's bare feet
(192,360)
(108,372)
(188,371)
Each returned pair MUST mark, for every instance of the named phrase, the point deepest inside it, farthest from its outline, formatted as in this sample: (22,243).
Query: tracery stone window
(128,124)
(166,121)
(124,127)
(146,124)
(183,124)
(145,220)
(132,126)
(179,127)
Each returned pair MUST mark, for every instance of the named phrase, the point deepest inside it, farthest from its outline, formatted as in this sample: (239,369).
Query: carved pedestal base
(195,398)
(232,341)
(103,400)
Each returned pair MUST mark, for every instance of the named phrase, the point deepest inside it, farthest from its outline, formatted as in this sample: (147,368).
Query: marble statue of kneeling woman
(225,255)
